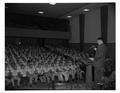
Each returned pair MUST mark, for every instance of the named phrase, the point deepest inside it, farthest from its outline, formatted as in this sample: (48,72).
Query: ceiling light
(40,12)
(86,10)
(69,16)
(52,3)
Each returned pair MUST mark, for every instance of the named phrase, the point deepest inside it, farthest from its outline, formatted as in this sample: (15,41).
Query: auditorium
(60,46)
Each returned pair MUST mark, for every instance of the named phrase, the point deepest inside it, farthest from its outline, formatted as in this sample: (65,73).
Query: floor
(80,85)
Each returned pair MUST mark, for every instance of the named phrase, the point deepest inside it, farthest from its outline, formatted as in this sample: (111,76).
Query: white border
(2,40)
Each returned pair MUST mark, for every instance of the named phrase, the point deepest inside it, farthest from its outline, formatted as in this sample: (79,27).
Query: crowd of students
(35,63)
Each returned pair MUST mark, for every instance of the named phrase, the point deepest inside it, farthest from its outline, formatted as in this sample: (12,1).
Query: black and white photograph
(60,46)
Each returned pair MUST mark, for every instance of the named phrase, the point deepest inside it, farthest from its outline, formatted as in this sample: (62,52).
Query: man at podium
(97,62)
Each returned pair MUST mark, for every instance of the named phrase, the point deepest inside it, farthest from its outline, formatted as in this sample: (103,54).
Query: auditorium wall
(111,24)
(36,22)
(22,32)
(93,30)
(56,42)
(111,31)
(74,29)
(92,26)
(21,40)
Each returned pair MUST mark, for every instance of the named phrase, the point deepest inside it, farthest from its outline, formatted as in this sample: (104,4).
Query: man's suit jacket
(100,55)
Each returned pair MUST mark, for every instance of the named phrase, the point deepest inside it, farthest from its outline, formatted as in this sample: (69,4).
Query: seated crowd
(30,64)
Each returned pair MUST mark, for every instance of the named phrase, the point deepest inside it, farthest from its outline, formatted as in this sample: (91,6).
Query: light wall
(92,26)
(74,29)
(111,24)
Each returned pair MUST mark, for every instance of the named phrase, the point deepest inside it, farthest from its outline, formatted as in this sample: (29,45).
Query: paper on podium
(91,58)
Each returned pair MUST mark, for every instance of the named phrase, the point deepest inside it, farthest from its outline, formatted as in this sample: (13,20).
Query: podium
(89,77)
(88,62)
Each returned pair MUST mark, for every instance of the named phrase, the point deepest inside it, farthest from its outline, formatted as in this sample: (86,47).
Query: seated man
(7,75)
(65,73)
(110,78)
(38,70)
(31,72)
(73,71)
(24,74)
(15,76)
(42,74)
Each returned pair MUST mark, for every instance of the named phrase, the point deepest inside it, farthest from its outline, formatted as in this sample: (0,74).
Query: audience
(28,63)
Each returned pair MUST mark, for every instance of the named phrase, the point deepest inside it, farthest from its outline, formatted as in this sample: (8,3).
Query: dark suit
(99,62)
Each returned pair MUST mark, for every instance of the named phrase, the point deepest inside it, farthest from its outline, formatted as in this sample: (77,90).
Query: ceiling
(59,10)
(55,11)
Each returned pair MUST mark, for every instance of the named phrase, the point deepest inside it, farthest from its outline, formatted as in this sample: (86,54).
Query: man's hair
(100,38)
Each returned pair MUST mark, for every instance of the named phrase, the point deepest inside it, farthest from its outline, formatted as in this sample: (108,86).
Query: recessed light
(69,16)
(86,10)
(52,3)
(40,12)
